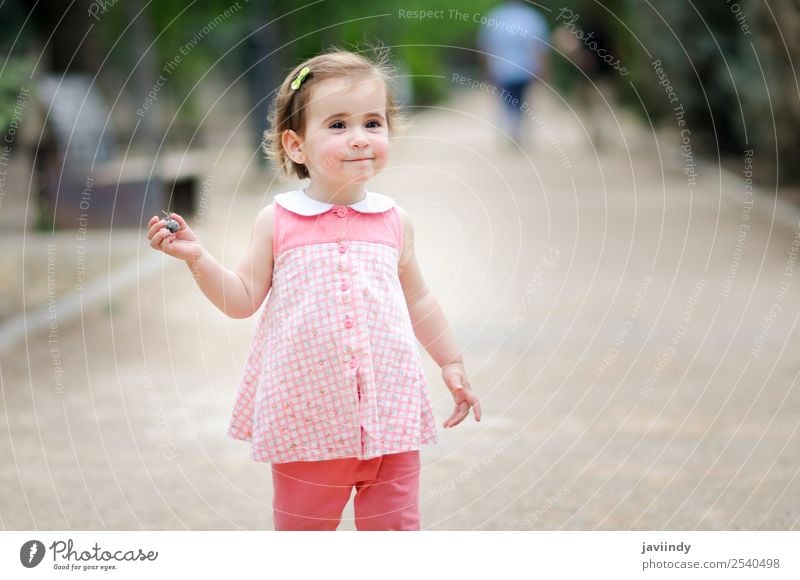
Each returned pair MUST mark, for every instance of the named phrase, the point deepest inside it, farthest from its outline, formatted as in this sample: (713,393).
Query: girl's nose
(358,139)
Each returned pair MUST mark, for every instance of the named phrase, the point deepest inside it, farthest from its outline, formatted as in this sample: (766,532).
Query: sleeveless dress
(333,369)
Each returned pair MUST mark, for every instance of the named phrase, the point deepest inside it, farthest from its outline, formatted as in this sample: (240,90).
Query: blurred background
(595,170)
(102,80)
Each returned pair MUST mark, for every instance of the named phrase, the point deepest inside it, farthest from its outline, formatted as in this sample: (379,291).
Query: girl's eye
(337,125)
(373,124)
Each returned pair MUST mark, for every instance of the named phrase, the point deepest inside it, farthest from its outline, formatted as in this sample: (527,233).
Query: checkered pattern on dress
(333,368)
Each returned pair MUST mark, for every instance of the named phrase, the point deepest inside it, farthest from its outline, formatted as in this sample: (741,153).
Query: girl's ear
(293,146)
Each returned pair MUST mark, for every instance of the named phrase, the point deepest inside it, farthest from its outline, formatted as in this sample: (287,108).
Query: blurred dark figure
(514,39)
(587,43)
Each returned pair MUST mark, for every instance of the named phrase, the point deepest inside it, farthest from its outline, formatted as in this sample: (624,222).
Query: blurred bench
(87,180)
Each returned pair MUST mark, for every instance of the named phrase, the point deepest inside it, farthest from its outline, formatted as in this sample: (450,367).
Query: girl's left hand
(455,377)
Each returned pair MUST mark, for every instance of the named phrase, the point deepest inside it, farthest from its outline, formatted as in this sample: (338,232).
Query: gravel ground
(634,364)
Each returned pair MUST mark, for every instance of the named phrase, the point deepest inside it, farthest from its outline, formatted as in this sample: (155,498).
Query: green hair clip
(300,78)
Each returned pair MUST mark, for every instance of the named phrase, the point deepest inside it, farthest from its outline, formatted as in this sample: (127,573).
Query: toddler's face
(346,136)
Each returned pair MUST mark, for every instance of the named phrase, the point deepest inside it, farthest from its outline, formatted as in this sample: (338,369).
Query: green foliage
(14,78)
(426,47)
(696,45)
(195,36)
(730,65)
(710,61)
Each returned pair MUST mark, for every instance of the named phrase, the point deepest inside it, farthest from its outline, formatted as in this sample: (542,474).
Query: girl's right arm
(237,293)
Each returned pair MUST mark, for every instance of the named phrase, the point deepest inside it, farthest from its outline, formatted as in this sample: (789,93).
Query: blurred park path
(628,318)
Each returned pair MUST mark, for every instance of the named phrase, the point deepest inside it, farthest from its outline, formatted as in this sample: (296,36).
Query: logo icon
(31,553)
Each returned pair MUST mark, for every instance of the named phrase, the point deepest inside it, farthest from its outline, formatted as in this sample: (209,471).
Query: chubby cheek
(380,148)
(332,151)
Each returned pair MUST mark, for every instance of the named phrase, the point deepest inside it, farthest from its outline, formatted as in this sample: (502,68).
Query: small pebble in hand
(171,224)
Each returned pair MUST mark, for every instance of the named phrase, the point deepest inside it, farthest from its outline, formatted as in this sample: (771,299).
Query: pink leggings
(311,495)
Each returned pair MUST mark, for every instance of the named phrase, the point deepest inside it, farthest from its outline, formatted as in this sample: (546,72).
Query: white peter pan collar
(299,202)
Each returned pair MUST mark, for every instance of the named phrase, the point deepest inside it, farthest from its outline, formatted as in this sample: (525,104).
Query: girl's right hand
(183,244)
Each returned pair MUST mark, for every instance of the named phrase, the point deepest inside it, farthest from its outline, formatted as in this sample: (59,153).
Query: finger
(449,421)
(158,239)
(180,220)
(473,401)
(164,239)
(155,238)
(462,405)
(461,411)
(170,238)
(457,391)
(155,227)
(476,411)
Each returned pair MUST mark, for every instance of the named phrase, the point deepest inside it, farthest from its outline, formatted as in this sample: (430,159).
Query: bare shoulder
(261,239)
(407,251)
(266,216)
(265,221)
(255,269)
(405,218)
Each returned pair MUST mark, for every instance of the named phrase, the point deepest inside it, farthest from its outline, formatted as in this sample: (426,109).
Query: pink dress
(333,369)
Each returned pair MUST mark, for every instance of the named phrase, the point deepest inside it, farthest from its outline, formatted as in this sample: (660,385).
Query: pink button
(348,324)
(344,286)
(353,362)
(342,247)
(341,211)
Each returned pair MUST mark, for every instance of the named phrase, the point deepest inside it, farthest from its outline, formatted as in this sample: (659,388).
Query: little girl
(333,393)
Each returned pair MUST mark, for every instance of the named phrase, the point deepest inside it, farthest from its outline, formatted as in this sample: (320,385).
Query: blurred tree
(18,59)
(732,67)
(776,28)
(145,68)
(696,43)
(66,35)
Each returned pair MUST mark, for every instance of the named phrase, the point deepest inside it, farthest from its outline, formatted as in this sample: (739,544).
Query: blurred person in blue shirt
(514,40)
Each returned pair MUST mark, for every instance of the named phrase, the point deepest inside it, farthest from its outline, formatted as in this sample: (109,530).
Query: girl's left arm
(432,329)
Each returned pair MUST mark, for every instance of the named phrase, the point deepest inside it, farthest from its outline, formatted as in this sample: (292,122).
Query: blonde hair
(289,107)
